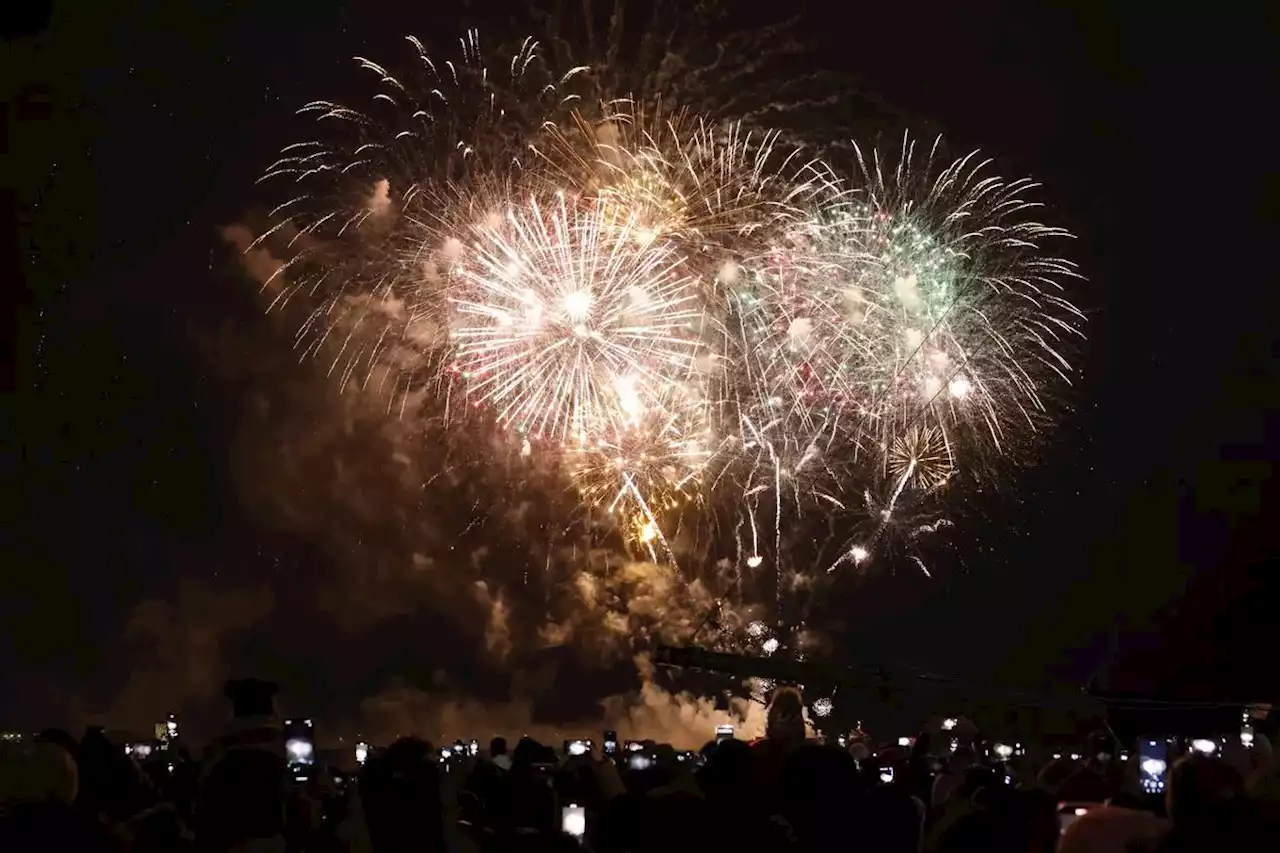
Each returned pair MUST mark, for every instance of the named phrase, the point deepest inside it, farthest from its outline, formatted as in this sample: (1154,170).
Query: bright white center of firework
(756,629)
(913,338)
(728,273)
(577,306)
(453,248)
(858,554)
(959,387)
(754,561)
(907,289)
(800,330)
(770,645)
(645,236)
(822,707)
(649,532)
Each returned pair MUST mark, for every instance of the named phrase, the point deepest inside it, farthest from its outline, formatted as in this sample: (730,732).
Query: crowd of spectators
(786,791)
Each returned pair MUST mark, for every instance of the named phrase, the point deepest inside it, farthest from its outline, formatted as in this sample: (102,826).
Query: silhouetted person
(819,785)
(401,795)
(784,732)
(498,753)
(1206,806)
(242,803)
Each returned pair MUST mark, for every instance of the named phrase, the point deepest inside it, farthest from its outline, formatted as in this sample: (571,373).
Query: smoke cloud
(681,719)
(421,521)
(183,662)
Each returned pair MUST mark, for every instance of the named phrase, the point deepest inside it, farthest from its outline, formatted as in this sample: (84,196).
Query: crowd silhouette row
(784,792)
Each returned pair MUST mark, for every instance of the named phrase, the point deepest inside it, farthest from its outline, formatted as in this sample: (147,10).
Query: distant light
(948,724)
(822,707)
(770,645)
(1004,750)
(1204,746)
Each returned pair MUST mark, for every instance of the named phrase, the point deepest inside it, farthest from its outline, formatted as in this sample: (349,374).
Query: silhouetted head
(786,715)
(251,697)
(1198,785)
(497,747)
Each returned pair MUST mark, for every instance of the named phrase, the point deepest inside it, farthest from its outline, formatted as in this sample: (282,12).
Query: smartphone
(639,760)
(573,820)
(1069,813)
(886,775)
(724,732)
(633,746)
(1153,764)
(299,747)
(362,753)
(610,743)
(577,747)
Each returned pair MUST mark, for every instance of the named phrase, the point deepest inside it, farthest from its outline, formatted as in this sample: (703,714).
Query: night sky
(141,569)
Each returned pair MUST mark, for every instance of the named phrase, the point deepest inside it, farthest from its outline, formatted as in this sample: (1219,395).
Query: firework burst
(566,326)
(696,320)
(960,318)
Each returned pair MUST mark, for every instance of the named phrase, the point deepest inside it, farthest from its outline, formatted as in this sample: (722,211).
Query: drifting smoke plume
(681,719)
(185,640)
(414,527)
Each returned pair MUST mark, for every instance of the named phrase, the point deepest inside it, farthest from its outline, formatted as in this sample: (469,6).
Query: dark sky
(135,130)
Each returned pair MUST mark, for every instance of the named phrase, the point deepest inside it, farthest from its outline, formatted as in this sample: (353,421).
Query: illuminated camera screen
(299,746)
(1153,764)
